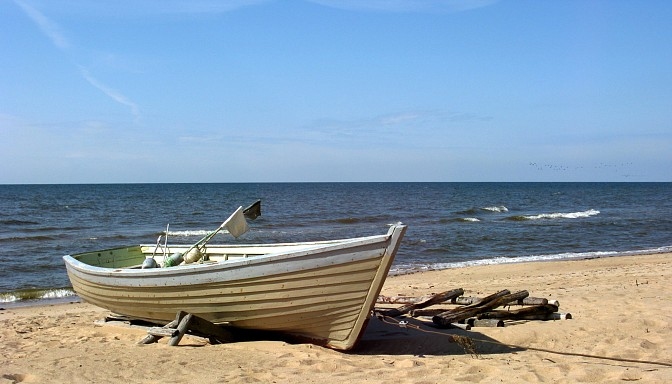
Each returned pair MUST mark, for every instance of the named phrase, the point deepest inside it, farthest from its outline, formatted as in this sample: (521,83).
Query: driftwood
(473,311)
(187,323)
(524,301)
(462,326)
(475,322)
(493,301)
(426,312)
(518,314)
(435,299)
(401,299)
(153,337)
(160,332)
(548,316)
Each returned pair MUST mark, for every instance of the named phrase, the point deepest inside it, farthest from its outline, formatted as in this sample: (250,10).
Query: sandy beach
(621,331)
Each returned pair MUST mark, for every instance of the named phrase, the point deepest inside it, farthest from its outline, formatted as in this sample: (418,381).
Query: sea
(450,225)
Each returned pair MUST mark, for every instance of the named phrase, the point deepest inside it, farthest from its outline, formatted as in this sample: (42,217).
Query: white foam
(199,233)
(560,215)
(409,268)
(500,208)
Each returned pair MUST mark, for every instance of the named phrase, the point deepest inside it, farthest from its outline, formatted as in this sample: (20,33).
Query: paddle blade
(236,223)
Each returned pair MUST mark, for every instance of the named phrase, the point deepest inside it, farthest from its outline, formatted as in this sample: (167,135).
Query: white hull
(321,291)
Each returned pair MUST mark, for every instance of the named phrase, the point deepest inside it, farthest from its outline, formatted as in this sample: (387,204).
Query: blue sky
(335,90)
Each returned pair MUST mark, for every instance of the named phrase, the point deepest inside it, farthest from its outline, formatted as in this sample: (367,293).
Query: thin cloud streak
(49,28)
(111,93)
(53,32)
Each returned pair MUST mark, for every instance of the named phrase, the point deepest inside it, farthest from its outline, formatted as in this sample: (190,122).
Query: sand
(621,331)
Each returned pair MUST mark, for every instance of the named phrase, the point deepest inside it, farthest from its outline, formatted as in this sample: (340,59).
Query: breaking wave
(411,268)
(199,232)
(35,294)
(500,208)
(557,215)
(193,233)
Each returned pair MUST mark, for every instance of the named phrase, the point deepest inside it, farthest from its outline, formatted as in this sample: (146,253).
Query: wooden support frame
(187,323)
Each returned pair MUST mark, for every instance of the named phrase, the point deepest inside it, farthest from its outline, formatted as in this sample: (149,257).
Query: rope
(469,344)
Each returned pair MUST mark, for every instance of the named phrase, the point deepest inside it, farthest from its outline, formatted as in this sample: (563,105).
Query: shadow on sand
(418,338)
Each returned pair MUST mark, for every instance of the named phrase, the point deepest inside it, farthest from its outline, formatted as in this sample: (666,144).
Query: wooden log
(489,298)
(435,299)
(162,332)
(465,327)
(187,323)
(427,312)
(465,300)
(525,301)
(487,304)
(117,317)
(181,329)
(149,339)
(518,313)
(475,322)
(548,316)
(462,300)
(401,299)
(533,301)
(201,327)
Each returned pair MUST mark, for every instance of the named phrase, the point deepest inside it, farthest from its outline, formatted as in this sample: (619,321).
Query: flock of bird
(555,167)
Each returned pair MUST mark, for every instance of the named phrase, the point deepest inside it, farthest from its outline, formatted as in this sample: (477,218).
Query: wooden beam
(436,299)
(487,304)
(517,314)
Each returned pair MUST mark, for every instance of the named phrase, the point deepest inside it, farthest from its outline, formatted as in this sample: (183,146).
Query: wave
(192,233)
(459,220)
(28,238)
(411,267)
(557,215)
(36,294)
(18,222)
(500,208)
(354,220)
(492,209)
(198,232)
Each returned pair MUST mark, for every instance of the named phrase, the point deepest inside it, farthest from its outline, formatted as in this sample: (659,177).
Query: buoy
(149,263)
(193,255)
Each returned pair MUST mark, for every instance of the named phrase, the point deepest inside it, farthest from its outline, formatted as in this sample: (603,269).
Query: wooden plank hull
(322,291)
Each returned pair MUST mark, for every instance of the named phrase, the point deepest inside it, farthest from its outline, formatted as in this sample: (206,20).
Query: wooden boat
(323,291)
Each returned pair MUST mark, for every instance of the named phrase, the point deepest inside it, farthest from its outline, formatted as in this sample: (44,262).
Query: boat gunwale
(211,267)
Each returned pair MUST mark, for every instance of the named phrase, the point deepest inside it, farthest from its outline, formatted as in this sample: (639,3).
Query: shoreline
(621,330)
(72,297)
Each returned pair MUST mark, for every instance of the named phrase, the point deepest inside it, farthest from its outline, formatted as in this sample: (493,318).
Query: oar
(235,224)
